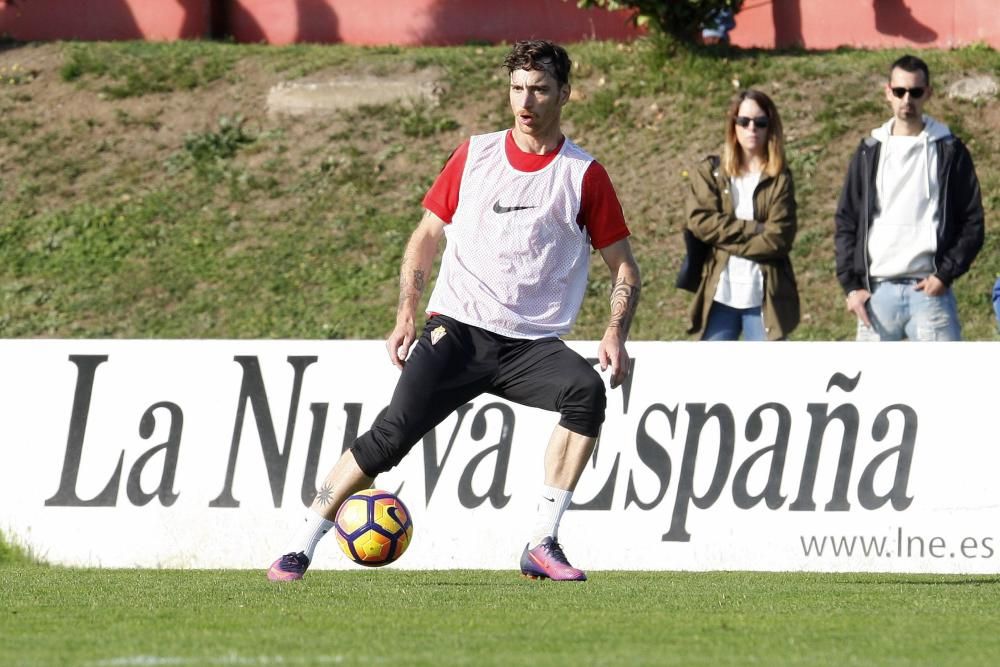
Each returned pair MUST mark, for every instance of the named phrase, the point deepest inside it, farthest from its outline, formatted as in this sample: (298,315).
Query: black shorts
(453,363)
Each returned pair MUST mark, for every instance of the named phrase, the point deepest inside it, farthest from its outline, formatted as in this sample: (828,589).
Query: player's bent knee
(584,404)
(376,453)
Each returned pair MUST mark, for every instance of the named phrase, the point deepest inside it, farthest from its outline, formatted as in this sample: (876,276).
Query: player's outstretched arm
(414,272)
(626,285)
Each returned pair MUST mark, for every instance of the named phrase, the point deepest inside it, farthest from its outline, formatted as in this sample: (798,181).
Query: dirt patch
(342,92)
(974,88)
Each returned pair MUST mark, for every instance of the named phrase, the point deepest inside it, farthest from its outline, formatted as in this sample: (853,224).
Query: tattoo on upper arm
(624,300)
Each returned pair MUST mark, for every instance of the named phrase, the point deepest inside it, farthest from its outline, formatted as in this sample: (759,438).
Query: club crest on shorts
(438,334)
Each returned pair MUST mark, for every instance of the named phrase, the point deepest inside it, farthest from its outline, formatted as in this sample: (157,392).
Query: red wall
(815,24)
(827,24)
(416,22)
(104,19)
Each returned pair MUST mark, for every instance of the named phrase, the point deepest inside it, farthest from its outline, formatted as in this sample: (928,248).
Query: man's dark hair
(542,55)
(912,64)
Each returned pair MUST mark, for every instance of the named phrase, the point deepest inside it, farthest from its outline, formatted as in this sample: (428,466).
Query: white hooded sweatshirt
(903,236)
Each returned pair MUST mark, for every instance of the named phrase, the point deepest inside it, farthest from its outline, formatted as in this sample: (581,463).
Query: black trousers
(453,363)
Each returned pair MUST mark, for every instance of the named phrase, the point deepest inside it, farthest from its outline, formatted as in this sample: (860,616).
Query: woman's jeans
(726,323)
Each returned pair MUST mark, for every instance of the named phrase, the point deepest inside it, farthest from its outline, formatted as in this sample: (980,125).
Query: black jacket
(960,230)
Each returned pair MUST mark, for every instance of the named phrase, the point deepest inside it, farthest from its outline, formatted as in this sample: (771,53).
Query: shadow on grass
(9,43)
(669,47)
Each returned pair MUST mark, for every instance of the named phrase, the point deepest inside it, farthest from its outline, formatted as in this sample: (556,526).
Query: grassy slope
(129,617)
(147,194)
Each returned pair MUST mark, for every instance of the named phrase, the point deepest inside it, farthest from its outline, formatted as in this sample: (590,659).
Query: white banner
(791,456)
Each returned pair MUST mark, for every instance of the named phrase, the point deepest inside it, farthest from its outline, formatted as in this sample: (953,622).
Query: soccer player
(519,210)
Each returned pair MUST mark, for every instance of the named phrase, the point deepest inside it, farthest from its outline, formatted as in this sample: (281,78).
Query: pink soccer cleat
(547,561)
(290,567)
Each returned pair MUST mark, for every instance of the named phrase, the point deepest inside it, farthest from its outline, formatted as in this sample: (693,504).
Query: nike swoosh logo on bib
(497,208)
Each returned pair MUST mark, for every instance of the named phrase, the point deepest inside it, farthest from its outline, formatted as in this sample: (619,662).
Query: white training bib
(516,260)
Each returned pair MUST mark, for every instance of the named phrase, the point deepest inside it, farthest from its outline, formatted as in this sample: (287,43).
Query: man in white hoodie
(909,220)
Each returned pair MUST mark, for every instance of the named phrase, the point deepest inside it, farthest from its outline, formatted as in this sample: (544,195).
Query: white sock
(313,530)
(551,505)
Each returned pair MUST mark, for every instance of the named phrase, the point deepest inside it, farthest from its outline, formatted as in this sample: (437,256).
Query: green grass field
(63,616)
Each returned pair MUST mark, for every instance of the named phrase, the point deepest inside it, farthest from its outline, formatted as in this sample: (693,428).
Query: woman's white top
(741,284)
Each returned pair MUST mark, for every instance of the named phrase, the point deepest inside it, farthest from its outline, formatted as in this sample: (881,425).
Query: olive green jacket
(767,241)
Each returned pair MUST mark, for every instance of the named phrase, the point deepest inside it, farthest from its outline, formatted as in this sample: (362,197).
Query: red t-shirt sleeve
(600,211)
(442,198)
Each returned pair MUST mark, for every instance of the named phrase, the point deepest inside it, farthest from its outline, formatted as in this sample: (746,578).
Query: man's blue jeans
(897,311)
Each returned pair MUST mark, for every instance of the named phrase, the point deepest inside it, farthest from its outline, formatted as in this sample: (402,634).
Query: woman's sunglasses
(760,121)
(915,93)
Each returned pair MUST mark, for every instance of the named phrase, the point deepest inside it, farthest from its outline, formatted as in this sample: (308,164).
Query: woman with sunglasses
(743,207)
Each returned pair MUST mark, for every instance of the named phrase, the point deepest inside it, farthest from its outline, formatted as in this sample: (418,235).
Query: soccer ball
(373,527)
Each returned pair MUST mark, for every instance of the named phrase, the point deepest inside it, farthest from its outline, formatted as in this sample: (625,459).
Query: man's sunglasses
(760,121)
(915,93)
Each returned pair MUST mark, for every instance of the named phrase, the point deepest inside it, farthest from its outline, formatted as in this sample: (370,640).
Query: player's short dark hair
(539,54)
(912,64)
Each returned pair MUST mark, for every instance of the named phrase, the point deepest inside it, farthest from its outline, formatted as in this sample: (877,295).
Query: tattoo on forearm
(411,283)
(624,300)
